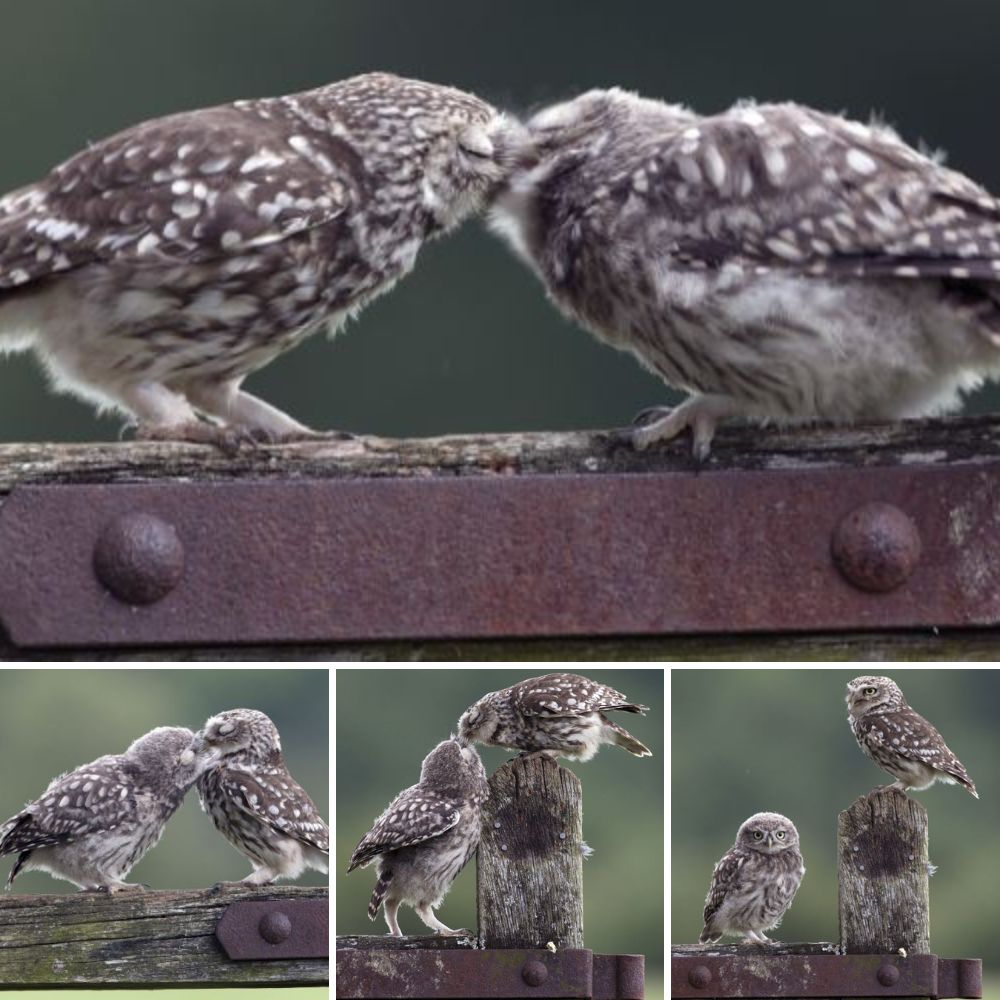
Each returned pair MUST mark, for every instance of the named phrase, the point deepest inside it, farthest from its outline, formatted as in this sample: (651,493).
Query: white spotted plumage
(425,836)
(558,714)
(775,262)
(93,824)
(254,801)
(158,268)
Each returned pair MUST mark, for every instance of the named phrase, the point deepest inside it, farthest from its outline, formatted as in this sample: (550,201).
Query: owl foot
(123,887)
(661,423)
(229,440)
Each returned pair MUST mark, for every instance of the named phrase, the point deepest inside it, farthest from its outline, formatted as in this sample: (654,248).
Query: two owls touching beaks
(755,881)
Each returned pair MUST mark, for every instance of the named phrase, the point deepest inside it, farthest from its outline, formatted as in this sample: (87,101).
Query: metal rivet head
(887,975)
(534,973)
(700,976)
(139,558)
(496,826)
(275,927)
(562,836)
(876,547)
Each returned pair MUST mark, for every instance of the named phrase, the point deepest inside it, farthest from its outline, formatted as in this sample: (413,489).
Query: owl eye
(757,835)
(476,143)
(226,728)
(870,690)
(780,834)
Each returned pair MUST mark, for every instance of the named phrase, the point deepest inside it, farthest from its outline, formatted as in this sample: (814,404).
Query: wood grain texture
(774,948)
(529,869)
(882,853)
(148,939)
(408,942)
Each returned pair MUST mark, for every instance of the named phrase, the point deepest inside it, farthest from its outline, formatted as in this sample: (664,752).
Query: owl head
(873,694)
(242,732)
(479,722)
(453,769)
(768,833)
(167,752)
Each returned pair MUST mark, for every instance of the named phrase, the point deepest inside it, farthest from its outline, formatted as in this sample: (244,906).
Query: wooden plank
(147,939)
(529,870)
(882,860)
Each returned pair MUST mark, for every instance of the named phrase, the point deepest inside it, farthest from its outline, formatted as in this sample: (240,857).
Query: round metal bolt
(496,826)
(876,547)
(139,558)
(275,927)
(503,847)
(562,836)
(534,973)
(887,975)
(700,976)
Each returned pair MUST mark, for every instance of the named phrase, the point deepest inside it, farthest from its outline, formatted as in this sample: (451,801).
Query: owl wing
(94,798)
(724,876)
(178,190)
(800,190)
(272,796)
(415,815)
(909,735)
(567,695)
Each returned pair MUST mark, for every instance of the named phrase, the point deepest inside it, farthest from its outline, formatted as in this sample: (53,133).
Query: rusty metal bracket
(293,928)
(760,975)
(618,554)
(494,973)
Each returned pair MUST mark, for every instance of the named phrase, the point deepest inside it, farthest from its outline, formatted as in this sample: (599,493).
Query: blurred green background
(52,721)
(745,741)
(388,720)
(468,343)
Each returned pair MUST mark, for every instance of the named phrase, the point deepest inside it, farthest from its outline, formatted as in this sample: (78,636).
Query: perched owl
(255,803)
(155,270)
(774,262)
(425,836)
(755,881)
(92,825)
(898,739)
(561,715)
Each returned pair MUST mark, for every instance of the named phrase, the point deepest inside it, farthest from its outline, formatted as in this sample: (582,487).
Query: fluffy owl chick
(425,836)
(155,270)
(92,825)
(900,740)
(561,715)
(755,881)
(253,800)
(775,262)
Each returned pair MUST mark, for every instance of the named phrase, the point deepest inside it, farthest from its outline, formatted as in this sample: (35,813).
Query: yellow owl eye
(757,835)
(780,834)
(870,691)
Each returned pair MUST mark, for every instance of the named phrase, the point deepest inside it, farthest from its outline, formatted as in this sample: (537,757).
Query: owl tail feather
(379,893)
(624,739)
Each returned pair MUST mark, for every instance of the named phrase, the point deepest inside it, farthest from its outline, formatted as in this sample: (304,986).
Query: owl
(425,836)
(899,740)
(155,270)
(560,715)
(253,800)
(774,262)
(92,825)
(755,881)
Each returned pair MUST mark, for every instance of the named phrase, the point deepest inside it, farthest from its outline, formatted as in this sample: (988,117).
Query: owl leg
(390,908)
(227,402)
(700,413)
(261,876)
(426,914)
(757,937)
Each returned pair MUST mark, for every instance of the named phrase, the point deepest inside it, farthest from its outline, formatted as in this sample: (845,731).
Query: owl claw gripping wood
(154,271)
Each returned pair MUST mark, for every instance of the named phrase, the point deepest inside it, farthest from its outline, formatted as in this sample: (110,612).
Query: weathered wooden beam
(529,870)
(147,939)
(745,948)
(883,873)
(408,942)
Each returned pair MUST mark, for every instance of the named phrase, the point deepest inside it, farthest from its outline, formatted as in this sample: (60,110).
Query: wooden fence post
(883,875)
(529,871)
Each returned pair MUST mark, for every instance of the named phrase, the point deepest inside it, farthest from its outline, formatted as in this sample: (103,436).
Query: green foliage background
(52,721)
(388,720)
(745,741)
(468,343)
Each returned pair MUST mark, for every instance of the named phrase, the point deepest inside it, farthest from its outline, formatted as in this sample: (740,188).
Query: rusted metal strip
(660,553)
(381,974)
(294,928)
(824,976)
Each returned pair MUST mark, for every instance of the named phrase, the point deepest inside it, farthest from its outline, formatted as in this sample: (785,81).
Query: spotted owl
(774,262)
(561,715)
(253,800)
(155,270)
(755,881)
(899,740)
(92,825)
(425,836)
